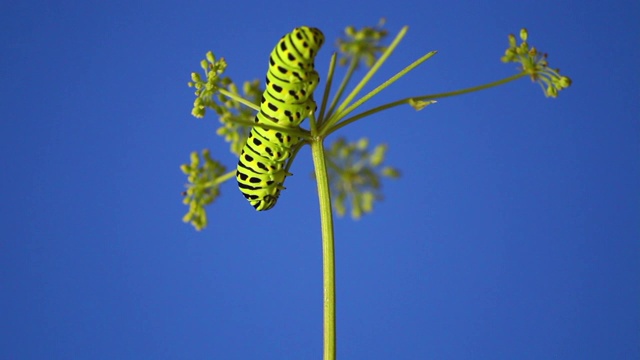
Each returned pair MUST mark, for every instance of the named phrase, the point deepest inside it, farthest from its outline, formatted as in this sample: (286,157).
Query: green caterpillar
(286,101)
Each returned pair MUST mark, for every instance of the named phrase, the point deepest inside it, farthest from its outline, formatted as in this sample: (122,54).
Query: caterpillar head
(308,41)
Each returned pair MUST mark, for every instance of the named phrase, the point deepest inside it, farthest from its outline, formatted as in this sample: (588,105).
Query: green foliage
(204,187)
(355,175)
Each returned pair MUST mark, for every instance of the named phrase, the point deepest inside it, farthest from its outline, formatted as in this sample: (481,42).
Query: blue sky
(512,234)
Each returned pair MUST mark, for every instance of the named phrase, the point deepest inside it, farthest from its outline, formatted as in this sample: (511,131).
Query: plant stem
(385,84)
(328,251)
(230,175)
(343,85)
(239,99)
(220,179)
(423,97)
(388,51)
(327,90)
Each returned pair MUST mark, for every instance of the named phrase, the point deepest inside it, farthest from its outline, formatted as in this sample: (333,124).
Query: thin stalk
(239,99)
(423,97)
(369,74)
(327,88)
(225,177)
(343,85)
(328,251)
(385,84)
(220,179)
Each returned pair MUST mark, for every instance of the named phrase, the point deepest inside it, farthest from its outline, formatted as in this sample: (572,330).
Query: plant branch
(424,97)
(239,99)
(343,85)
(327,89)
(220,179)
(369,75)
(385,84)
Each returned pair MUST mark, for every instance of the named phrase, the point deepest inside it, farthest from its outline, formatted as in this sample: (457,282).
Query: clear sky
(514,232)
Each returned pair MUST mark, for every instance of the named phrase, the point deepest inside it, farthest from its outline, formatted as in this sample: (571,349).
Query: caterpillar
(286,101)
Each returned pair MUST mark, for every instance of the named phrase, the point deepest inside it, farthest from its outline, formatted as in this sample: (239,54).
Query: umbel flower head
(363,44)
(535,64)
(355,175)
(203,188)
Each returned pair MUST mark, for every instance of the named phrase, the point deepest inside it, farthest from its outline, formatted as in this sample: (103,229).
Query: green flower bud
(198,112)
(210,57)
(388,171)
(362,143)
(195,159)
(378,154)
(339,207)
(356,211)
(367,201)
(564,82)
(512,41)
(552,92)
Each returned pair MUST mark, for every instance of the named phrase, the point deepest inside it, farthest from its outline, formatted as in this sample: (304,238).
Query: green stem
(423,97)
(225,177)
(220,179)
(328,251)
(368,76)
(327,90)
(239,99)
(385,84)
(343,84)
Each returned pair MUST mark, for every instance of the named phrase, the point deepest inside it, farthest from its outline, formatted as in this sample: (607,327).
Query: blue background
(513,233)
